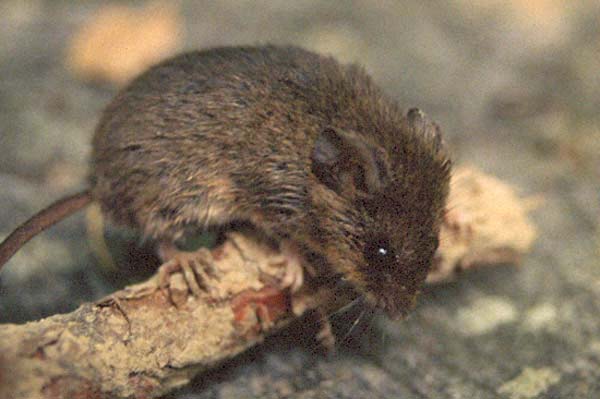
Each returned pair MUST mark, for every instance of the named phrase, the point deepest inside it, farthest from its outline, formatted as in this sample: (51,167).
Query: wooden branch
(145,340)
(485,224)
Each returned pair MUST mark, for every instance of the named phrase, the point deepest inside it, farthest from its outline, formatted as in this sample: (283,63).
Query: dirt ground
(515,86)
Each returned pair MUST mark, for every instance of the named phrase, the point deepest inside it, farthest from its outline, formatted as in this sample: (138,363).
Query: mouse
(308,150)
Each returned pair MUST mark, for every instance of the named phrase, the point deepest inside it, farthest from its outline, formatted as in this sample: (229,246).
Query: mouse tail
(41,221)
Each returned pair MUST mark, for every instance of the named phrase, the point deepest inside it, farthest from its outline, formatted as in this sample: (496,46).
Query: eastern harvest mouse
(309,151)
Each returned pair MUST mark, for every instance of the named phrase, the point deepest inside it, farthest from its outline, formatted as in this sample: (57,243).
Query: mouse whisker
(346,307)
(353,326)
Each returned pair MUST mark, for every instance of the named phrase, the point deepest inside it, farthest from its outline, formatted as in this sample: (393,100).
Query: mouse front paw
(290,261)
(286,267)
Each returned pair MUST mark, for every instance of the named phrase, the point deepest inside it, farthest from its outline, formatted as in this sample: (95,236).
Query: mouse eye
(378,251)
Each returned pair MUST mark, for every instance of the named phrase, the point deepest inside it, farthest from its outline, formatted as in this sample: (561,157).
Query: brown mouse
(309,151)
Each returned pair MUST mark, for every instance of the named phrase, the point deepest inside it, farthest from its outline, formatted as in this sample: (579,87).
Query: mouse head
(395,195)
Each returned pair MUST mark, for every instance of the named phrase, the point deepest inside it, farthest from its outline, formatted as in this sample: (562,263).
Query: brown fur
(229,134)
(293,142)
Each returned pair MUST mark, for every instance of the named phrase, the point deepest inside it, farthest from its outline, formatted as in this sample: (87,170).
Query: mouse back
(240,119)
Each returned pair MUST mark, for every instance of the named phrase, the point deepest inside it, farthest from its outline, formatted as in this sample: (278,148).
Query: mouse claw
(197,269)
(293,274)
(179,265)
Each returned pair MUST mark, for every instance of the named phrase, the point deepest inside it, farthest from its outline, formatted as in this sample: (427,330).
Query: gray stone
(517,93)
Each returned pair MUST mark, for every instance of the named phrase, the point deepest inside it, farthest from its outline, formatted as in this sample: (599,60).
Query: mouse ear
(348,164)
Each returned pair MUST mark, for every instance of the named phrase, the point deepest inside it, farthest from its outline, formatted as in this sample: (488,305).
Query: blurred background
(515,86)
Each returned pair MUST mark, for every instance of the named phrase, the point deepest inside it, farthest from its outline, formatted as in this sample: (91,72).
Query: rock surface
(515,86)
